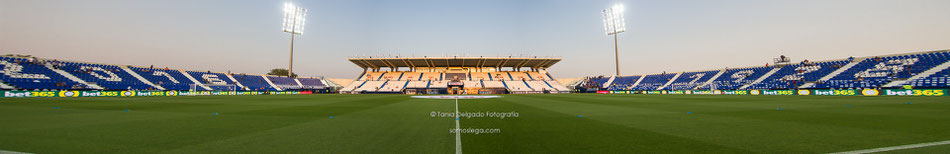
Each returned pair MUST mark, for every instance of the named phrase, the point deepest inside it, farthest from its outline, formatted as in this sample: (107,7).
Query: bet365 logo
(915,92)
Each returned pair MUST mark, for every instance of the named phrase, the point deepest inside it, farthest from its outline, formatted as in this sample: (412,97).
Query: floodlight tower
(294,19)
(614,25)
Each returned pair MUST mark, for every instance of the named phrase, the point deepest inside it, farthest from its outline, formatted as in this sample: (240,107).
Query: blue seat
(20,74)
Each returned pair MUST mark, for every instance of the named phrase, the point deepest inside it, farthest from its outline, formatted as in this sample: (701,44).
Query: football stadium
(187,85)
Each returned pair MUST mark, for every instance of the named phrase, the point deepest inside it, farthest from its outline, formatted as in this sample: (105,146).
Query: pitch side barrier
(71,93)
(821,92)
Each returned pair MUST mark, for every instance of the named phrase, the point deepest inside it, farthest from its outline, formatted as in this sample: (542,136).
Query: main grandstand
(927,69)
(455,75)
(22,72)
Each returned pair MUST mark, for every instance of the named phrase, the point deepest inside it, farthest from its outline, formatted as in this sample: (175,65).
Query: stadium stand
(517,86)
(555,86)
(31,73)
(393,86)
(418,84)
(541,86)
(455,75)
(372,76)
(538,76)
(168,79)
(937,80)
(793,76)
(493,84)
(370,86)
(312,83)
(391,76)
(920,69)
(18,73)
(652,82)
(352,86)
(476,76)
(601,80)
(737,77)
(253,82)
(876,71)
(935,77)
(518,76)
(107,76)
(500,76)
(411,76)
(284,82)
(467,83)
(213,80)
(620,83)
(438,84)
(430,76)
(690,80)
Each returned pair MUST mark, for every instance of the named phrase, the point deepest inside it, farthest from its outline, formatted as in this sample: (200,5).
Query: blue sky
(672,36)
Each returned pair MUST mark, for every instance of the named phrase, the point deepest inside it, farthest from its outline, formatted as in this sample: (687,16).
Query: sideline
(901,147)
(458,134)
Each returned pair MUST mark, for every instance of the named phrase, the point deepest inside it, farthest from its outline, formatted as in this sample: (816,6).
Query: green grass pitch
(557,123)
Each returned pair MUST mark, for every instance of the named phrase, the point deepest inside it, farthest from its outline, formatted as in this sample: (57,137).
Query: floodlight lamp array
(613,20)
(294,19)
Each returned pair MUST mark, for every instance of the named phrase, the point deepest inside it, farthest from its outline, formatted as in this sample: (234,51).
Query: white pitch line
(458,132)
(12,152)
(901,147)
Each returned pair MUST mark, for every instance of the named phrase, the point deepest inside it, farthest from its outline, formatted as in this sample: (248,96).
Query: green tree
(280,72)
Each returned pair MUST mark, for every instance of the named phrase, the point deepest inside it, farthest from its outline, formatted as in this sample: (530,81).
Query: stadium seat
(652,82)
(110,77)
(214,80)
(312,83)
(875,72)
(690,80)
(793,76)
(253,82)
(620,83)
(284,82)
(20,74)
(168,79)
(736,77)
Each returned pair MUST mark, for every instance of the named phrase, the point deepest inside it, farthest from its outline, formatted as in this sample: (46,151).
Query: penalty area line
(900,147)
